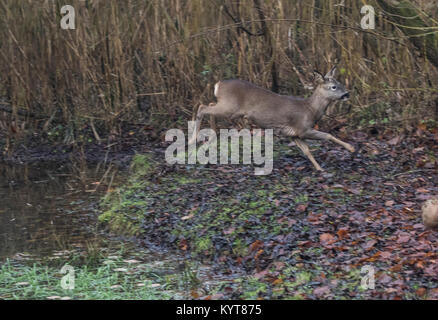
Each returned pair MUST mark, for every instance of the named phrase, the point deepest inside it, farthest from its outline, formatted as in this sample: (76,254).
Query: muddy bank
(119,149)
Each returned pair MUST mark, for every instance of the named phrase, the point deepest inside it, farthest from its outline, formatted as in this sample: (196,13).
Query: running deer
(292,116)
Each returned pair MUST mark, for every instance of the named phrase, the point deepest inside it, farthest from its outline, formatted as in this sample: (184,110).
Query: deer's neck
(317,104)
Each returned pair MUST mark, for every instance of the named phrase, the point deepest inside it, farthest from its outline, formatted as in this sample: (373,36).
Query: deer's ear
(331,73)
(318,77)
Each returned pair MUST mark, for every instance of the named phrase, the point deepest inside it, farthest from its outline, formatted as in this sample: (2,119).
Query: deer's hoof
(350,148)
(192,141)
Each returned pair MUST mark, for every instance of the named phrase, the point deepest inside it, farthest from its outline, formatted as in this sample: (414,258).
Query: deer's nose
(345,96)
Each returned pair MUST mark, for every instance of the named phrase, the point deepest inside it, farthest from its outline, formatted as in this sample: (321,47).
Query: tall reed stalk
(142,60)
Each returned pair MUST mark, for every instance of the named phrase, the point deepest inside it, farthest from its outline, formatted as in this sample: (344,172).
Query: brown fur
(293,116)
(430,214)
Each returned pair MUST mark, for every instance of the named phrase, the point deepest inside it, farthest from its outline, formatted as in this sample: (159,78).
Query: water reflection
(48,207)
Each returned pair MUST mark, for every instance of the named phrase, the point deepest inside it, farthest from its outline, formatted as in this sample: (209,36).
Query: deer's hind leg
(305,148)
(212,109)
(289,131)
(213,123)
(197,117)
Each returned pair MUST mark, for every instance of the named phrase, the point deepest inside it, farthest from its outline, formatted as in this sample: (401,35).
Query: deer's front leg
(305,148)
(318,135)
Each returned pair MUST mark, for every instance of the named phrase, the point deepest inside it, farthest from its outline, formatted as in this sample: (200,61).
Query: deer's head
(329,87)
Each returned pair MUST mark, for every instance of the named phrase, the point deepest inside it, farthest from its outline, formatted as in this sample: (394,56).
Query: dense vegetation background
(132,69)
(151,61)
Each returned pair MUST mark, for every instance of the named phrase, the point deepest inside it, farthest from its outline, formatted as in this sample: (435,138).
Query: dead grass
(139,60)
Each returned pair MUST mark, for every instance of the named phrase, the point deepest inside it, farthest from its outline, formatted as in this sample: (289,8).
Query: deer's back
(267,109)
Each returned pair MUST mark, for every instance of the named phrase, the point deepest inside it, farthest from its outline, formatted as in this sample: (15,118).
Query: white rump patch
(216,88)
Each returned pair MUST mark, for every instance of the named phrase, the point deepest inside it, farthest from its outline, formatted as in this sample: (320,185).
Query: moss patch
(123,207)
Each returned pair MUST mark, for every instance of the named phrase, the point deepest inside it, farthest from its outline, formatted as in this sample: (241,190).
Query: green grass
(107,281)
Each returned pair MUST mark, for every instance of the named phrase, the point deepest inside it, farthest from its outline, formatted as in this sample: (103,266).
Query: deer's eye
(334,88)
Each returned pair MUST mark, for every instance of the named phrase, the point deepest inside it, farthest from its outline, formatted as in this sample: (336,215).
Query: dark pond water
(49,207)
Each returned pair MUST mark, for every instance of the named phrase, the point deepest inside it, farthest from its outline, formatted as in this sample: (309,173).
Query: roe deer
(292,116)
(430,213)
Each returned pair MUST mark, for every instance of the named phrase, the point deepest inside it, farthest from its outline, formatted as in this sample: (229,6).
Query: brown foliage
(137,60)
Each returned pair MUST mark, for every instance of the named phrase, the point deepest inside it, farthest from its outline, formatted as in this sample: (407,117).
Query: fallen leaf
(279,265)
(217,296)
(116,286)
(421,292)
(256,245)
(389,203)
(291,222)
(385,279)
(395,141)
(342,233)
(258,254)
(326,238)
(403,239)
(396,268)
(321,291)
(369,244)
(183,244)
(261,274)
(188,217)
(131,261)
(229,230)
